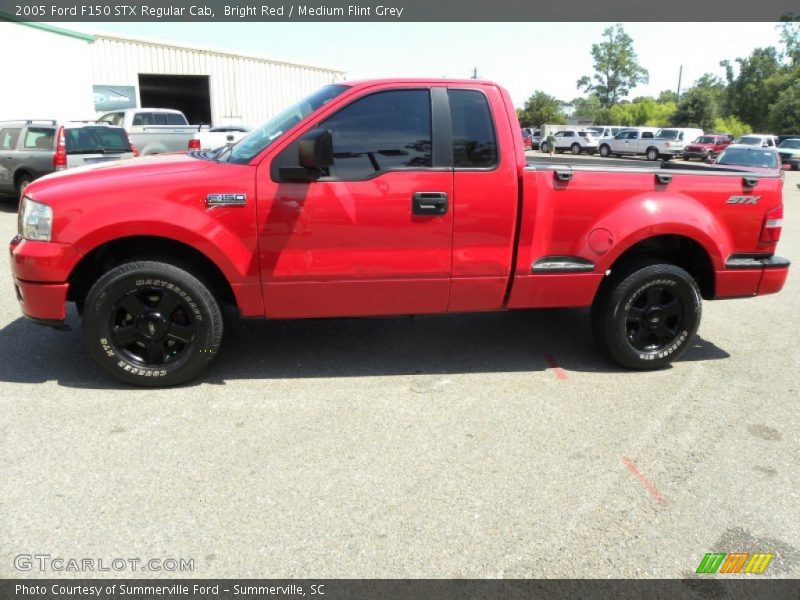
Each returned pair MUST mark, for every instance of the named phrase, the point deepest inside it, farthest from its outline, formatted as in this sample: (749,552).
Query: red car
(385,197)
(707,146)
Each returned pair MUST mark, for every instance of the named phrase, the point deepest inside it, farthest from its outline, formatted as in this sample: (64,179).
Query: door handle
(429,203)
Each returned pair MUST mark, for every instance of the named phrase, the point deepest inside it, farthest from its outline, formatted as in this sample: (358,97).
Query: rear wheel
(605,151)
(576,148)
(152,324)
(652,154)
(543,147)
(647,313)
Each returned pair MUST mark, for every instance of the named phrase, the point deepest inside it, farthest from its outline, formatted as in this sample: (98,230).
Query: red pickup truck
(388,197)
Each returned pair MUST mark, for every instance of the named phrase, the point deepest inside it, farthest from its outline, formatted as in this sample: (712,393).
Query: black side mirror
(316,149)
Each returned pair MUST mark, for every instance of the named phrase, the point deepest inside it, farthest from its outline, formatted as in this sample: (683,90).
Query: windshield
(257,140)
(790,144)
(668,134)
(749,157)
(705,139)
(750,140)
(96,140)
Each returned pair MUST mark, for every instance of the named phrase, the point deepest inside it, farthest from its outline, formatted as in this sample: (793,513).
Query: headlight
(35,220)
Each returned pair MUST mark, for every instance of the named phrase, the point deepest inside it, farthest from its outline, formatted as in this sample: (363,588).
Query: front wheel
(646,315)
(543,147)
(652,154)
(576,148)
(152,324)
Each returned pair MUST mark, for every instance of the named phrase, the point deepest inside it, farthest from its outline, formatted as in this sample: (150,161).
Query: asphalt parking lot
(487,445)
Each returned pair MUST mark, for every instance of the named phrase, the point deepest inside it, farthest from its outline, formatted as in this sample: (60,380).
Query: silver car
(31,148)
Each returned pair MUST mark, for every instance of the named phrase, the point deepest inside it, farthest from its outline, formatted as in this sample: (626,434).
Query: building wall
(243,89)
(45,75)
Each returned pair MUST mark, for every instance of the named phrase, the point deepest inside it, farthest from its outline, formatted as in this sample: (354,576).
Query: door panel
(350,244)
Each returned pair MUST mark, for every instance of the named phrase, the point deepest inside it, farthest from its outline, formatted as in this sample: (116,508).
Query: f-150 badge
(226,199)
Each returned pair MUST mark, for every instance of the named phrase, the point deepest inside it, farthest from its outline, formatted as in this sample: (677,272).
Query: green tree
(731,125)
(760,79)
(667,96)
(790,38)
(539,109)
(616,70)
(701,104)
(588,106)
(784,115)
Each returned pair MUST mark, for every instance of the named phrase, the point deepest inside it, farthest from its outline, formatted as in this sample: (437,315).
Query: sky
(523,57)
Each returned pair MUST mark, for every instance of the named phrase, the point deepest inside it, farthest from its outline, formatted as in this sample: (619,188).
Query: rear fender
(646,216)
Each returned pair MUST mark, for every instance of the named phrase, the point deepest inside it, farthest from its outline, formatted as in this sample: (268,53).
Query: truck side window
(142,119)
(474,139)
(8,138)
(647,135)
(175,119)
(381,132)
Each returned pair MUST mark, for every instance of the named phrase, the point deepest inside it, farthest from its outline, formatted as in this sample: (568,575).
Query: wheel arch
(678,249)
(147,247)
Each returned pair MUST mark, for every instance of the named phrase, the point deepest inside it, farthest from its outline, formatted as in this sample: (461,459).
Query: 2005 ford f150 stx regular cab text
(390,197)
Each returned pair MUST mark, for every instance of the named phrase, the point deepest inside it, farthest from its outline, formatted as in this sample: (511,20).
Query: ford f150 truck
(388,197)
(153,130)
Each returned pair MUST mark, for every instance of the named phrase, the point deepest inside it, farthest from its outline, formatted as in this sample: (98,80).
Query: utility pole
(680,75)
(475,73)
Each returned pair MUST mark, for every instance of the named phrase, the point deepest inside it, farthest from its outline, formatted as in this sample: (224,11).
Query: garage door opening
(187,93)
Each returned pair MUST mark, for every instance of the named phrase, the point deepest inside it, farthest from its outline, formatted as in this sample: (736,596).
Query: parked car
(32,148)
(759,140)
(630,141)
(153,130)
(789,151)
(576,141)
(527,138)
(707,146)
(749,157)
(216,137)
(670,142)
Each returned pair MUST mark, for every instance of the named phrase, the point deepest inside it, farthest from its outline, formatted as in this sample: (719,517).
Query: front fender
(229,243)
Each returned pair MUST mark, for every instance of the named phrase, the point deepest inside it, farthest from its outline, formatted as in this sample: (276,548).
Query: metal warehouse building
(72,75)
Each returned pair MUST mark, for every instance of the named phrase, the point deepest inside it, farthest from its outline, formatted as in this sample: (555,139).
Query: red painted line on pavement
(560,373)
(645,482)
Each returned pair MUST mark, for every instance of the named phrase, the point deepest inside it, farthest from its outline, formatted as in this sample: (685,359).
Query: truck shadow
(254,349)
(8,203)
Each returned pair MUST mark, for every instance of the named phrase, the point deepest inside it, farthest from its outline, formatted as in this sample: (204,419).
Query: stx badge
(743,200)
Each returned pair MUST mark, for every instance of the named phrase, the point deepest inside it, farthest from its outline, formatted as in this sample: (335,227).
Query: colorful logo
(734,562)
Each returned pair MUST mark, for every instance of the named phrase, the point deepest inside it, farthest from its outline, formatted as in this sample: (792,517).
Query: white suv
(758,139)
(576,141)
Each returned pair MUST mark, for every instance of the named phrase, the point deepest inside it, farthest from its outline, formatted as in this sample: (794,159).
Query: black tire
(576,148)
(652,154)
(23,181)
(543,146)
(605,151)
(152,324)
(646,314)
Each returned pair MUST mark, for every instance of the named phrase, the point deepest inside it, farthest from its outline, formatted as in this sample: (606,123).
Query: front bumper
(751,276)
(697,153)
(40,271)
